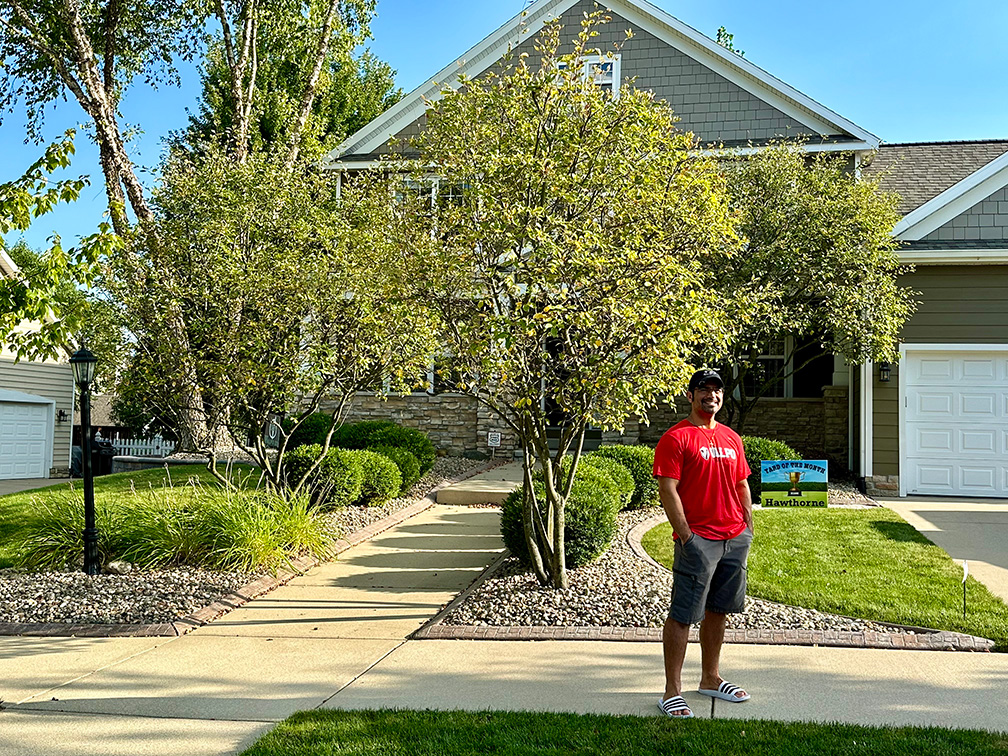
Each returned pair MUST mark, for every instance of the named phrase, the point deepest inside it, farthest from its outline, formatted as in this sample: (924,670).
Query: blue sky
(905,71)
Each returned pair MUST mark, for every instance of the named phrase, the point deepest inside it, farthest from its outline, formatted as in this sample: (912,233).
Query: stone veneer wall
(817,428)
(882,485)
(459,425)
(455,424)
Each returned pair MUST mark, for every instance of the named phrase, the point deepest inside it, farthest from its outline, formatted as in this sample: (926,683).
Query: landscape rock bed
(163,596)
(620,589)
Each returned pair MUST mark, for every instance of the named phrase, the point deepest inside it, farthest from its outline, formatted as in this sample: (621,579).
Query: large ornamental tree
(296,294)
(819,264)
(570,246)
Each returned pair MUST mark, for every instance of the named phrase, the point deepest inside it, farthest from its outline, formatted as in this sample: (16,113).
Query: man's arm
(672,504)
(745,499)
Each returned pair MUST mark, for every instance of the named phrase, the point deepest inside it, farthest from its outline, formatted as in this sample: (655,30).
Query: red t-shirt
(708,465)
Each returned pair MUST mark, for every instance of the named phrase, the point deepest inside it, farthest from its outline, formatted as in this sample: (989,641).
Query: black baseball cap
(702,377)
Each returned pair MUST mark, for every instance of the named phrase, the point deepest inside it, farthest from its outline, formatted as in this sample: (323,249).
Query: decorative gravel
(152,597)
(620,589)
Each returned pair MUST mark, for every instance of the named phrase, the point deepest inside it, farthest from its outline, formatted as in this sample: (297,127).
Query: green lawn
(15,508)
(428,733)
(866,563)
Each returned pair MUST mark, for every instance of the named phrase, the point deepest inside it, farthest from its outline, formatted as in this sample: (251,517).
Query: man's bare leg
(675,636)
(711,639)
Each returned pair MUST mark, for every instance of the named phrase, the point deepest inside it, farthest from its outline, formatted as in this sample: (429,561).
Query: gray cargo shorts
(709,576)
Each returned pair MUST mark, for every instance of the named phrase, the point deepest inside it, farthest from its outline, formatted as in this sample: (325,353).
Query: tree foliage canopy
(573,236)
(819,260)
(290,293)
(41,304)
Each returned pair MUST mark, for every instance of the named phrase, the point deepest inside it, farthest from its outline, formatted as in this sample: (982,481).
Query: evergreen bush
(337,481)
(639,460)
(406,461)
(370,434)
(589,518)
(381,479)
(617,471)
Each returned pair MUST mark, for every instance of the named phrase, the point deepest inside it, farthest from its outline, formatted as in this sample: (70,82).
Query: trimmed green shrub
(617,471)
(639,460)
(406,461)
(358,435)
(337,481)
(312,431)
(369,434)
(758,449)
(381,480)
(589,518)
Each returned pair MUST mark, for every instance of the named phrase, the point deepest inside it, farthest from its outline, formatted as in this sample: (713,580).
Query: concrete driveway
(972,529)
(16,486)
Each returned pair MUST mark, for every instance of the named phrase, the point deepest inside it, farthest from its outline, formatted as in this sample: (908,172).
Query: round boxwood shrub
(337,481)
(381,479)
(370,434)
(639,460)
(589,518)
(358,435)
(409,466)
(617,471)
(757,449)
(312,430)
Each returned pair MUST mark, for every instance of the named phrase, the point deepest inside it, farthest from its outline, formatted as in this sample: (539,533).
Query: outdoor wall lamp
(83,363)
(62,416)
(884,372)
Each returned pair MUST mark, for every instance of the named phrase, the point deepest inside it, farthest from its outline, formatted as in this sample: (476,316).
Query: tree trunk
(308,95)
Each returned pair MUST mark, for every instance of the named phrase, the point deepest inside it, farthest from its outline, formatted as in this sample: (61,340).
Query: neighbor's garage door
(24,440)
(956,423)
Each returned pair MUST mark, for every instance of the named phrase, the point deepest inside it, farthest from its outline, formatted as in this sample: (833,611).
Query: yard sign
(794,482)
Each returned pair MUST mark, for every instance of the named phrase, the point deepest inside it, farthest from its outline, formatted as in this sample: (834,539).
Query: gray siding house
(914,433)
(36,411)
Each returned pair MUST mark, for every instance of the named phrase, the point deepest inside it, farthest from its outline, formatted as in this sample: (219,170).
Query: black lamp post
(83,364)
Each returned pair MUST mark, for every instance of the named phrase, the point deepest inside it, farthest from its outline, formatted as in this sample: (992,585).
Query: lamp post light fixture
(83,363)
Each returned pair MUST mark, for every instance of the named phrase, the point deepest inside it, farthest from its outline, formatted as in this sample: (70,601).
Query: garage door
(956,423)
(24,440)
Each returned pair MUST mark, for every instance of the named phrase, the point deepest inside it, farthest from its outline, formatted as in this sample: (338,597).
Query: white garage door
(956,423)
(25,443)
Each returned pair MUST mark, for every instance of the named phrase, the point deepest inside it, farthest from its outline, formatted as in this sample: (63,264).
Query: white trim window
(604,70)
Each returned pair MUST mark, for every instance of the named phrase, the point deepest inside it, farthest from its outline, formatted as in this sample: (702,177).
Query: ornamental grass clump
(172,526)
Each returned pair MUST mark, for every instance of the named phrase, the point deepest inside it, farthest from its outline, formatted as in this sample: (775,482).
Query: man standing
(702,470)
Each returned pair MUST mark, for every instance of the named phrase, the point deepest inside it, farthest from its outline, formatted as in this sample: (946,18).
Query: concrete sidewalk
(336,637)
(490,487)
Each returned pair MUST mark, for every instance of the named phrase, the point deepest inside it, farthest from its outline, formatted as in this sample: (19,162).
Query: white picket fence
(142,447)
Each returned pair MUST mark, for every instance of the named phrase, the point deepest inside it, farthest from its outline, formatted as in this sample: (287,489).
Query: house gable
(718,95)
(954,199)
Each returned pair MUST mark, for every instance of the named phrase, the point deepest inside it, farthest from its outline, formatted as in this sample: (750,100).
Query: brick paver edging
(941,641)
(243,595)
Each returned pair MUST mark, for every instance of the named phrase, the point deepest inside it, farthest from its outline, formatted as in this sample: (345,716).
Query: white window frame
(591,70)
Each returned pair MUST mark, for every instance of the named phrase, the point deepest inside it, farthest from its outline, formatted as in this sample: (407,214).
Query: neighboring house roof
(101,411)
(793,106)
(954,199)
